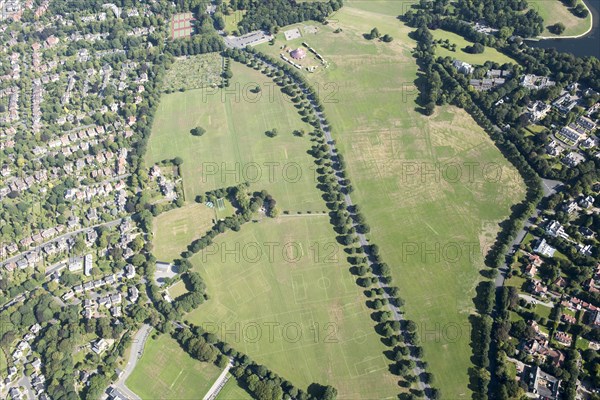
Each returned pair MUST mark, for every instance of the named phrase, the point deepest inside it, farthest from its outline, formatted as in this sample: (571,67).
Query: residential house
(572,159)
(537,288)
(563,338)
(544,248)
(87,264)
(133,294)
(569,207)
(531,270)
(69,295)
(535,82)
(585,249)
(595,318)
(564,103)
(129,271)
(586,232)
(554,228)
(463,67)
(99,346)
(542,384)
(586,202)
(538,111)
(569,318)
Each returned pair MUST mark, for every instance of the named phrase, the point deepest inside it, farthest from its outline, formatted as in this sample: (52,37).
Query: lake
(588,45)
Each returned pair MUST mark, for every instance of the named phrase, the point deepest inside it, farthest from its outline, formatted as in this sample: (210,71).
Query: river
(589,45)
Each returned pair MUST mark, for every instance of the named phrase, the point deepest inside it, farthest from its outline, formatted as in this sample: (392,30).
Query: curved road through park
(137,349)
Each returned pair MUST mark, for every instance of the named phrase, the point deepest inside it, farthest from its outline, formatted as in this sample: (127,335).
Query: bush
(581,11)
(198,131)
(272,133)
(374,34)
(557,28)
(476,48)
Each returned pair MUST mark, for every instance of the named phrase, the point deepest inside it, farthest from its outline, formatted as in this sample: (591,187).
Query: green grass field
(416,218)
(175,229)
(234,148)
(489,54)
(232,20)
(553,11)
(319,298)
(516,281)
(167,372)
(296,309)
(233,391)
(543,311)
(177,289)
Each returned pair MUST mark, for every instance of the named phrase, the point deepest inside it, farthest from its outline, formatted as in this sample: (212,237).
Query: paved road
(361,237)
(504,268)
(219,383)
(550,187)
(15,300)
(137,349)
(26,383)
(65,235)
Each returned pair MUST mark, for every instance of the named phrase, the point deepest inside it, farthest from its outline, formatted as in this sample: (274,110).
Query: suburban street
(135,353)
(26,383)
(549,187)
(15,300)
(65,235)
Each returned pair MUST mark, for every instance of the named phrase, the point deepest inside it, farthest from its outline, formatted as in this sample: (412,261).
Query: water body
(588,45)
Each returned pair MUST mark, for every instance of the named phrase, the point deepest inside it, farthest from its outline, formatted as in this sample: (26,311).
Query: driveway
(533,300)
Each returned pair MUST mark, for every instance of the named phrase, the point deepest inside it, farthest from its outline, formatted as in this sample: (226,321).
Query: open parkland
(282,313)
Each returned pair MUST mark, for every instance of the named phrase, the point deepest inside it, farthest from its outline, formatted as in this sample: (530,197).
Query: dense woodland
(502,13)
(269,15)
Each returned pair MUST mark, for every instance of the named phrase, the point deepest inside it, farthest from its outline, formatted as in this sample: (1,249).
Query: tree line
(269,15)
